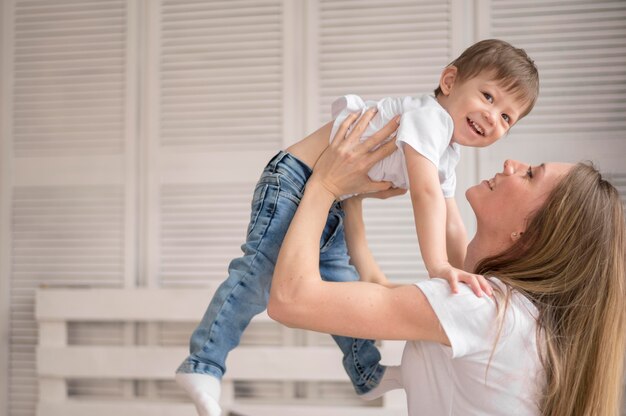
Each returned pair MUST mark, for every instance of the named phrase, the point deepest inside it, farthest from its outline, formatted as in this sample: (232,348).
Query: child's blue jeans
(246,290)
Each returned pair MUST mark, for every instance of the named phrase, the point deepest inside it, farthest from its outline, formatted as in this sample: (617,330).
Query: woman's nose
(510,166)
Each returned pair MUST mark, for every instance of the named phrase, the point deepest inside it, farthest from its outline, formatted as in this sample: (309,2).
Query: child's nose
(489,116)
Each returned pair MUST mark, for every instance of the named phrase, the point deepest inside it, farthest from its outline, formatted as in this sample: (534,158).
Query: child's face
(482,111)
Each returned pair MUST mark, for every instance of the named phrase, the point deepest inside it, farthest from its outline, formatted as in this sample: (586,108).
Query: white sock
(204,390)
(392,380)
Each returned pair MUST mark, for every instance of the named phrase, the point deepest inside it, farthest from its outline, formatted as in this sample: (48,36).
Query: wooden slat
(128,408)
(308,410)
(148,305)
(117,408)
(244,363)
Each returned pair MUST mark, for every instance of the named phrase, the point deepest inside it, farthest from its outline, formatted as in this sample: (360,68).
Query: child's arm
(361,256)
(456,236)
(429,211)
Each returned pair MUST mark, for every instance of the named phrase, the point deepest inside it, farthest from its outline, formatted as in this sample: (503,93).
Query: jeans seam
(331,239)
(284,175)
(258,214)
(290,197)
(252,261)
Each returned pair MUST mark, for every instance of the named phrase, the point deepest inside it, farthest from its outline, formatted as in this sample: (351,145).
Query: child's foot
(204,390)
(392,380)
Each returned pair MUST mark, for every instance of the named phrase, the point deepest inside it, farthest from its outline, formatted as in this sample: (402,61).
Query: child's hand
(453,275)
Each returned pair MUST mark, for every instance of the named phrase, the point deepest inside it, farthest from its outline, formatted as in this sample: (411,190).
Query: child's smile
(476,127)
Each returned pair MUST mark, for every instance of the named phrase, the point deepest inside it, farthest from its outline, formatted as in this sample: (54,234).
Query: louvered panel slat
(342,393)
(202,229)
(384,49)
(69,78)
(392,238)
(221,75)
(579,48)
(95,333)
(65,235)
(93,389)
(270,391)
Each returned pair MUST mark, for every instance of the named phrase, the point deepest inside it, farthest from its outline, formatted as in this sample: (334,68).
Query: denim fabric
(245,292)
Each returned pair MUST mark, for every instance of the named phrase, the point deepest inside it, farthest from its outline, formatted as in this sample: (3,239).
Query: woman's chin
(470,194)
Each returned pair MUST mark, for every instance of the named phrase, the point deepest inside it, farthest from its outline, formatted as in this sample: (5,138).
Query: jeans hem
(372,382)
(194,367)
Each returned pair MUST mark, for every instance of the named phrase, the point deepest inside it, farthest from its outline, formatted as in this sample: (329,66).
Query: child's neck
(441,100)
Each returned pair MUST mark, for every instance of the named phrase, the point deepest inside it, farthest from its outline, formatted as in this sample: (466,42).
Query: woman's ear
(447,79)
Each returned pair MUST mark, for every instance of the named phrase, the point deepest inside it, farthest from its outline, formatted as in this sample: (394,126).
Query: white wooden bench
(58,362)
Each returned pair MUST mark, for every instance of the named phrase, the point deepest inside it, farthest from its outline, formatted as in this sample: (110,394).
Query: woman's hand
(342,168)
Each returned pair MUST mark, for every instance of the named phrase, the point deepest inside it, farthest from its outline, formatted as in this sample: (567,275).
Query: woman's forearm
(298,262)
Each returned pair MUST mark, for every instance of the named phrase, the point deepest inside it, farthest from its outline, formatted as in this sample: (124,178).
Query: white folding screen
(134,130)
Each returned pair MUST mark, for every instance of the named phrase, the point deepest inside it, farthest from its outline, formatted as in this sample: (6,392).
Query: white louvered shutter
(217,96)
(378,49)
(580,50)
(69,143)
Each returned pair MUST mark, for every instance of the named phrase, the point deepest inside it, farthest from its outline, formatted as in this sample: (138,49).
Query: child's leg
(241,296)
(361,358)
(246,290)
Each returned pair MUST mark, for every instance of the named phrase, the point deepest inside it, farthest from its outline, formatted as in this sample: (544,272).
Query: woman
(551,341)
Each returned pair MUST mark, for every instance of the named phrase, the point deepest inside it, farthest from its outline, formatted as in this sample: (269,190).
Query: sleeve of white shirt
(467,320)
(448,186)
(427,130)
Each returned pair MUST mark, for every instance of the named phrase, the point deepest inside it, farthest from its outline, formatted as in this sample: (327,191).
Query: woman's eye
(506,118)
(488,97)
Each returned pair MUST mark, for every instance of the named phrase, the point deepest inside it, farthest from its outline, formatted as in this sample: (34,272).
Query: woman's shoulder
(472,323)
(440,289)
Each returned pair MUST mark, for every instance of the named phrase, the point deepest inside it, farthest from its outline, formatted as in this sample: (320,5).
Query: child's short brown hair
(512,67)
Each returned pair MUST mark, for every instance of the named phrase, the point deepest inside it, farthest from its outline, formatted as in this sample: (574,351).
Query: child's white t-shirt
(465,379)
(425,126)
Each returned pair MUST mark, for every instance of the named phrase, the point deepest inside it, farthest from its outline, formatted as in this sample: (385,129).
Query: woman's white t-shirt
(465,379)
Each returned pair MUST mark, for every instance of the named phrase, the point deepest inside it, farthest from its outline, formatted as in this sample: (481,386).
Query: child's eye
(506,118)
(529,172)
(488,97)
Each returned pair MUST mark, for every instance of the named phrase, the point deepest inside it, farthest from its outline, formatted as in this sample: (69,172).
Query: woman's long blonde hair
(570,262)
